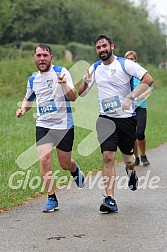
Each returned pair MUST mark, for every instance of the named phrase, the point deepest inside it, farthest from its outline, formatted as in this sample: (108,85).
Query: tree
(63,21)
(6,16)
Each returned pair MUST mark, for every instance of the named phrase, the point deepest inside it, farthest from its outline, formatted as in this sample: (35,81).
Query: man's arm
(83,90)
(144,85)
(26,105)
(69,92)
(145,94)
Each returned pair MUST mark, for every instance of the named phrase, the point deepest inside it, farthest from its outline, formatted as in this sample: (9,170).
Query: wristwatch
(131,98)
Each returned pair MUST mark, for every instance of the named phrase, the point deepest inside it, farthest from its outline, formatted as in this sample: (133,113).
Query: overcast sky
(159,7)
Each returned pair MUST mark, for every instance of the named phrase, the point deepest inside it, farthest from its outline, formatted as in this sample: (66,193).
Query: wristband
(131,98)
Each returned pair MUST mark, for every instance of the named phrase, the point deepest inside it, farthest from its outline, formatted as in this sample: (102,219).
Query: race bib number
(111,104)
(47,107)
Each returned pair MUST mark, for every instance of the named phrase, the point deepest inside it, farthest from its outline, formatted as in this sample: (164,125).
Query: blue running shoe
(133,179)
(109,205)
(51,205)
(79,178)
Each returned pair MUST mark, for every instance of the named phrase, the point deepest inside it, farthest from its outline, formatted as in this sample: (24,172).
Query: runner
(116,125)
(141,116)
(53,89)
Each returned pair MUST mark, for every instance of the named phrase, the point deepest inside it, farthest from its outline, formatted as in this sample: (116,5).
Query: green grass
(17,135)
(156,130)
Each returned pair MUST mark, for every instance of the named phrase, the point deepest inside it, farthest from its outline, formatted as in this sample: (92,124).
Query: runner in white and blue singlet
(53,89)
(116,125)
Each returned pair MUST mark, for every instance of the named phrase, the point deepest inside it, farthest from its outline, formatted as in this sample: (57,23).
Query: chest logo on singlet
(113,72)
(111,104)
(50,83)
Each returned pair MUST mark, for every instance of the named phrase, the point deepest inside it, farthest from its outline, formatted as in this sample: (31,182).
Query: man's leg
(107,137)
(137,159)
(45,156)
(65,160)
(129,161)
(142,146)
(141,126)
(67,163)
(108,172)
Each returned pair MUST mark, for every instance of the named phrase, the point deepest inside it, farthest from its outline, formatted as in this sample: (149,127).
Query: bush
(58,51)
(26,49)
(82,52)
(9,52)
(28,46)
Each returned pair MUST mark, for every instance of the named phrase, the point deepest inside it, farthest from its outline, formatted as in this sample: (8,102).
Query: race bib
(111,104)
(47,107)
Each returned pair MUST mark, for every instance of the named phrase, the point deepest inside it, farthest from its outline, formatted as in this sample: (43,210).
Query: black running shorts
(116,132)
(62,139)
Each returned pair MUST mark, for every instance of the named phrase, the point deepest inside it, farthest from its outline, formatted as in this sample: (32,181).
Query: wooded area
(64,21)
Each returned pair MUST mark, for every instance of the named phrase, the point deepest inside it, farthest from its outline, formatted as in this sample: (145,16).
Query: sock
(74,174)
(52,196)
(130,172)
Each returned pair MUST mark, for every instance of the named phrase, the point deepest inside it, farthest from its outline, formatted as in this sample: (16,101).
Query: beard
(43,67)
(105,56)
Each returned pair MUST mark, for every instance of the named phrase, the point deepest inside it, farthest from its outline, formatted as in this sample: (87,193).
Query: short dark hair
(103,36)
(44,47)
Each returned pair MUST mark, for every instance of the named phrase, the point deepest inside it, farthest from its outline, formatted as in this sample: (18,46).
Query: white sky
(157,8)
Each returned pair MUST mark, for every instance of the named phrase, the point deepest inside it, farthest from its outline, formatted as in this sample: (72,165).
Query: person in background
(116,124)
(53,89)
(141,115)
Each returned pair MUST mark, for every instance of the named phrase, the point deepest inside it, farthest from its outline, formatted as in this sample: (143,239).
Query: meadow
(19,173)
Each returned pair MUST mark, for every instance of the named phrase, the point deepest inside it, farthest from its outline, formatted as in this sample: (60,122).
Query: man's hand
(70,93)
(88,76)
(126,104)
(20,112)
(61,79)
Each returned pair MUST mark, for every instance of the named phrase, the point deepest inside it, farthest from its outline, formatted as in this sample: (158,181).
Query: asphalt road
(140,224)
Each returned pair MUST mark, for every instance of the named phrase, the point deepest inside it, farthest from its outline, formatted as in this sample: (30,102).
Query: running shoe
(109,205)
(137,161)
(144,160)
(51,205)
(79,178)
(133,179)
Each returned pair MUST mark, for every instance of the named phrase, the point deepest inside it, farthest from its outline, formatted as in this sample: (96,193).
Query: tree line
(64,21)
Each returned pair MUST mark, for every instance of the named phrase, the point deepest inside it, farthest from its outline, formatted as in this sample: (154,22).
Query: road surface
(140,224)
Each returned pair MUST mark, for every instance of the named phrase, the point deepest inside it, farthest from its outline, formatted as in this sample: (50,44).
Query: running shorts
(62,139)
(116,132)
